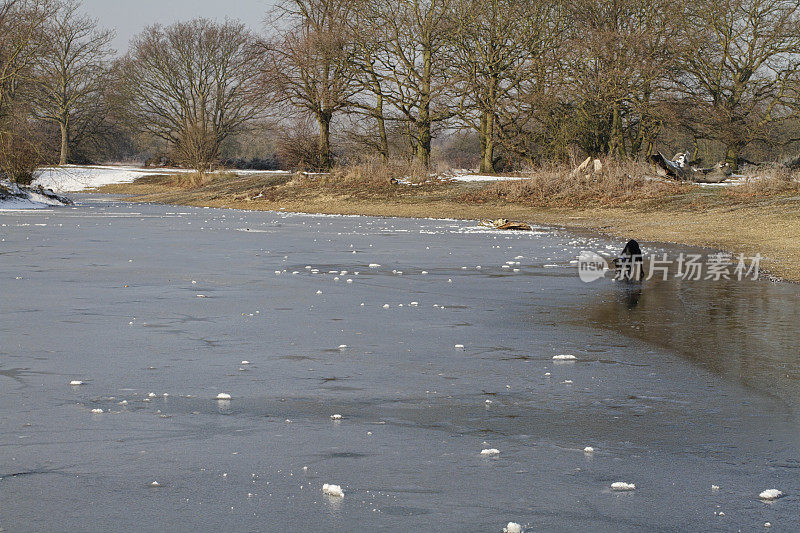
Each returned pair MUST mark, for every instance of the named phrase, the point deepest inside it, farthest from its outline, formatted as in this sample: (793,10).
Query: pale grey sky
(129,17)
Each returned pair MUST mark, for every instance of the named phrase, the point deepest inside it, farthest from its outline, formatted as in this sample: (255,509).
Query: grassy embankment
(760,217)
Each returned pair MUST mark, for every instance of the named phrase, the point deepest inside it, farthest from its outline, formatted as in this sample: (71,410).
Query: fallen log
(505,224)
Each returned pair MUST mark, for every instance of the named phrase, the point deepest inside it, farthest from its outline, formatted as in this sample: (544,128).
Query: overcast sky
(129,17)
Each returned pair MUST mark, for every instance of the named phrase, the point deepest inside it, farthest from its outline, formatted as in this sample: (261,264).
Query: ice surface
(414,405)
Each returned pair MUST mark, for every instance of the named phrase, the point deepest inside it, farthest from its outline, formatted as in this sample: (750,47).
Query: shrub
(20,152)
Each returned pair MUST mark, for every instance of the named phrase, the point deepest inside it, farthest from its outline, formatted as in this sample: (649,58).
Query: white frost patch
(770,494)
(490,452)
(223,396)
(621,485)
(333,490)
(469,178)
(512,527)
(564,357)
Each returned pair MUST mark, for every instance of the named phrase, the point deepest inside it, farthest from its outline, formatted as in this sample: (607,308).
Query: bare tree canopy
(21,40)
(498,84)
(192,85)
(740,68)
(69,74)
(308,65)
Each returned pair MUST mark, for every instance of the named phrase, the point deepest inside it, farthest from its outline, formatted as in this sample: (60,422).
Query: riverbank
(739,222)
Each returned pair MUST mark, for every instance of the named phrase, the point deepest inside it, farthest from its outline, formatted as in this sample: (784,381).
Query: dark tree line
(532,81)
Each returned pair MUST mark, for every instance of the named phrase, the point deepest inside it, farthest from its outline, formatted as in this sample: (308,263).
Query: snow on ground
(19,198)
(730,182)
(479,177)
(72,178)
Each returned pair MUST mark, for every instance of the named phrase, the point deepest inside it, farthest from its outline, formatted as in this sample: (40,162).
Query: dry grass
(773,181)
(195,180)
(616,184)
(372,179)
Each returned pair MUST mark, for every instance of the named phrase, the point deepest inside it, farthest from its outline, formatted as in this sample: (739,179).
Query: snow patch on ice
(770,494)
(564,357)
(333,490)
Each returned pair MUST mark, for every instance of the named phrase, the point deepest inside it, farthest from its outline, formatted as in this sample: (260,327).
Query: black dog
(629,265)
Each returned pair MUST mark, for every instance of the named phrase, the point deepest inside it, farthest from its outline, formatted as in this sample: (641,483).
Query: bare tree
(369,99)
(191,84)
(21,24)
(307,65)
(20,42)
(69,74)
(621,55)
(740,67)
(498,50)
(413,64)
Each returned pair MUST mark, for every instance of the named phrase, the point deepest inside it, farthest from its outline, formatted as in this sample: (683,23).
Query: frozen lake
(155,308)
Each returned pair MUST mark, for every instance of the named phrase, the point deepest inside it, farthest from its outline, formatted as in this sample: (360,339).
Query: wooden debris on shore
(505,224)
(681,169)
(589,167)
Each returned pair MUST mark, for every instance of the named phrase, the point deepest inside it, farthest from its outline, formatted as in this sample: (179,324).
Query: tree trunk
(732,152)
(487,143)
(384,139)
(324,141)
(424,143)
(64,157)
(424,121)
(616,146)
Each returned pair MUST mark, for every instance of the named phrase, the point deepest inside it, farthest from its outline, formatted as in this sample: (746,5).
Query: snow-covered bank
(72,178)
(14,197)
